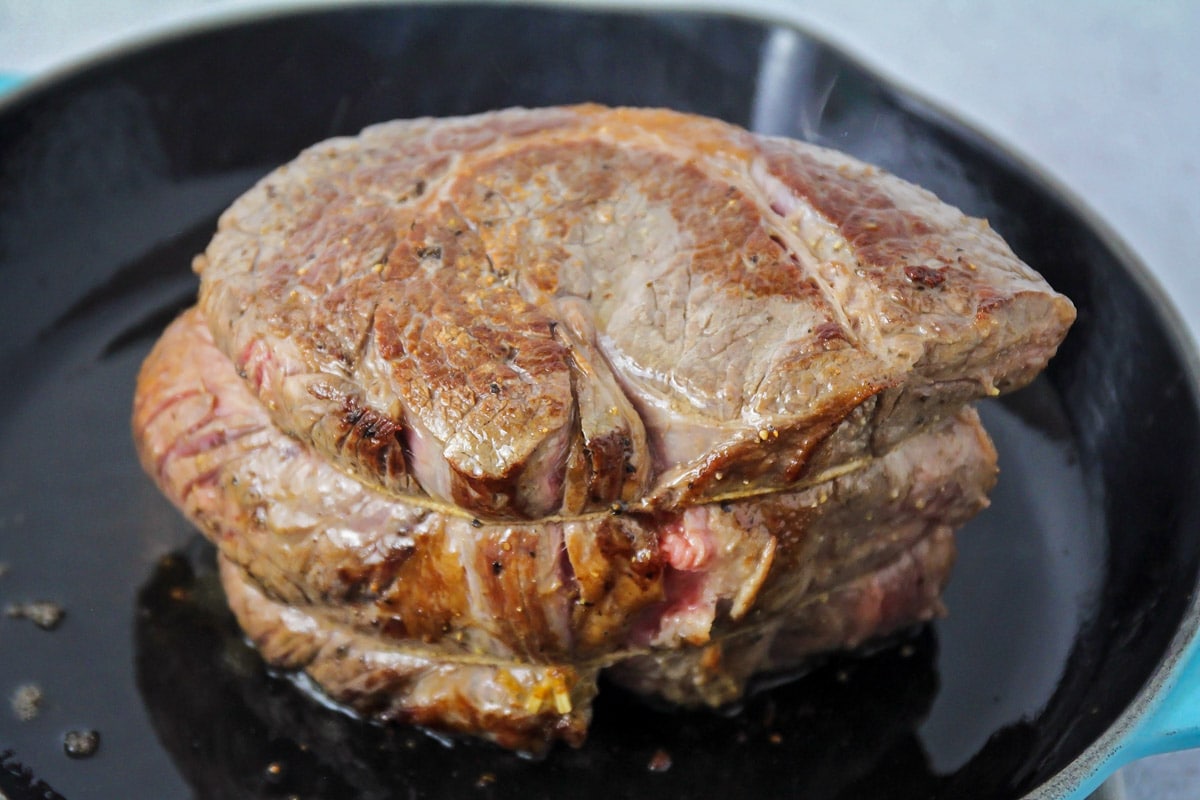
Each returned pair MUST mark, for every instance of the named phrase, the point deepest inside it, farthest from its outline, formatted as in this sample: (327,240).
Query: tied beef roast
(476,408)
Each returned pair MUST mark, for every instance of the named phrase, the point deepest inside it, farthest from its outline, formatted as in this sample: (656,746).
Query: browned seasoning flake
(768,716)
(925,276)
(660,761)
(485,780)
(45,615)
(27,701)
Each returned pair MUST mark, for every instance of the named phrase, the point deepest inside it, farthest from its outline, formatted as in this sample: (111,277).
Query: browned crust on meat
(475,408)
(528,706)
(499,630)
(577,590)
(394,300)
(314,536)
(520,706)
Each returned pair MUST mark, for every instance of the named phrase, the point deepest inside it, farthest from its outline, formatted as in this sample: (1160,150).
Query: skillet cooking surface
(1066,593)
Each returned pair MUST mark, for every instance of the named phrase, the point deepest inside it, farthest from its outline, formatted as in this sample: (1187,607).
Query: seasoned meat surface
(535,314)
(526,705)
(478,409)
(562,599)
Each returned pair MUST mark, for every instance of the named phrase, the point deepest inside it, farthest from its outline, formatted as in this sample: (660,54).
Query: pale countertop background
(1102,95)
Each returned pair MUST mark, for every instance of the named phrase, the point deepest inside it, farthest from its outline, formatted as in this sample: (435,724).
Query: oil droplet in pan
(81,744)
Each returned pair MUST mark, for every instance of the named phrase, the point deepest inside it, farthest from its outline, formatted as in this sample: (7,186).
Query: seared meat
(533,313)
(521,705)
(692,600)
(894,595)
(476,409)
(526,705)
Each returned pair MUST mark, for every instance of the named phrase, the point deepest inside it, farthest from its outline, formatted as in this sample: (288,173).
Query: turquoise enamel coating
(1174,724)
(1168,722)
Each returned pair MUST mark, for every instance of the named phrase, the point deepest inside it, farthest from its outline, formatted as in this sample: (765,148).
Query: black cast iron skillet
(1070,594)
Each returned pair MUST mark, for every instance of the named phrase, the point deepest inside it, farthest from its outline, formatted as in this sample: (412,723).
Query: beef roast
(539,313)
(477,409)
(687,604)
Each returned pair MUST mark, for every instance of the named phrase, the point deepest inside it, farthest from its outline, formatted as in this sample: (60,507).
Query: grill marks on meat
(545,312)
(500,629)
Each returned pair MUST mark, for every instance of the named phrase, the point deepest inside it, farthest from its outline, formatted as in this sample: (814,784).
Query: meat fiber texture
(476,408)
